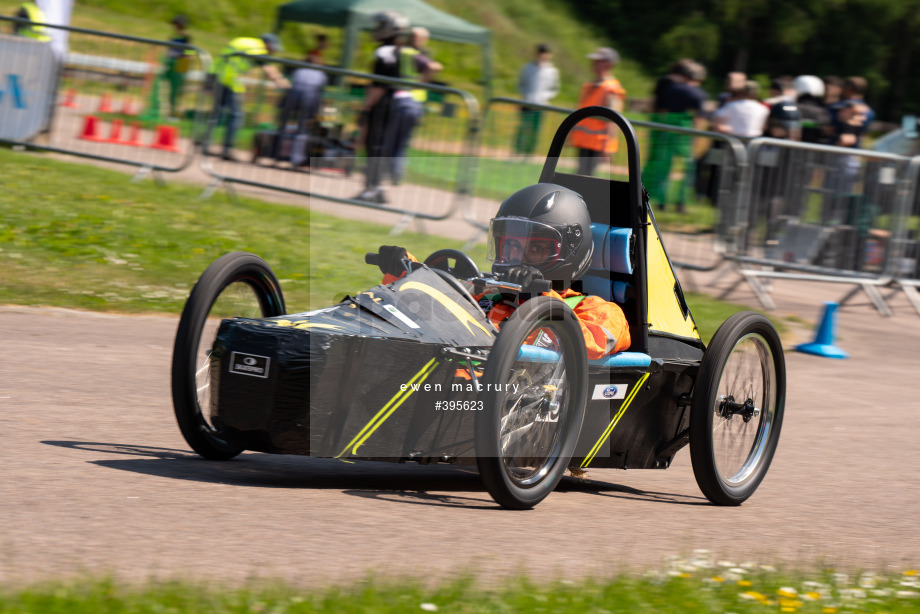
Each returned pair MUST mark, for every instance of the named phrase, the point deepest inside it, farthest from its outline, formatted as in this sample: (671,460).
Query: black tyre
(238,284)
(737,409)
(526,435)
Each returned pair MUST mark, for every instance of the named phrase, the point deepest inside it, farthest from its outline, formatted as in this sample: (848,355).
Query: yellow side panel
(664,313)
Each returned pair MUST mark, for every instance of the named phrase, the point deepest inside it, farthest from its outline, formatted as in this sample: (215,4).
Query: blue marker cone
(823,345)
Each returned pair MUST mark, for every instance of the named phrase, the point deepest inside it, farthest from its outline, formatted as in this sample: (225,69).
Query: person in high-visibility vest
(408,105)
(30,11)
(595,138)
(233,62)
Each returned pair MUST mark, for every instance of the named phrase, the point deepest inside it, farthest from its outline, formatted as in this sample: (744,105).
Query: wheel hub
(728,407)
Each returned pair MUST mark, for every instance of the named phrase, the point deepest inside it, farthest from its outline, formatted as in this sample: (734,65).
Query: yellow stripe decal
(385,411)
(449,304)
(613,423)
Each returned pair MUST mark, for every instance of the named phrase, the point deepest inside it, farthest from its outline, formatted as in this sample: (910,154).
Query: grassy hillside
(517,26)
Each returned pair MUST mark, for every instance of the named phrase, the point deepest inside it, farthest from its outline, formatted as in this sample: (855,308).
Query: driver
(541,232)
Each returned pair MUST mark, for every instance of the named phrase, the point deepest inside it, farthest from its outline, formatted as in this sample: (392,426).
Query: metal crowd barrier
(697,216)
(822,213)
(325,159)
(905,266)
(108,98)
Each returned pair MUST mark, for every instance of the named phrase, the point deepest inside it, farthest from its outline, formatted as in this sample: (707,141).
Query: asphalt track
(97,479)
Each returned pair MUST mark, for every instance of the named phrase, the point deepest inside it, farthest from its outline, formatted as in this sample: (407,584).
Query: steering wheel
(464,266)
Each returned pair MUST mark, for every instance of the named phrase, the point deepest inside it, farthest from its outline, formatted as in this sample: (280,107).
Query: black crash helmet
(545,226)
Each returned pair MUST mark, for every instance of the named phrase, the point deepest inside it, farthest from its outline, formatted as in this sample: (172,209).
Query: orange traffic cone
(70,99)
(135,139)
(128,107)
(105,104)
(89,129)
(115,131)
(166,138)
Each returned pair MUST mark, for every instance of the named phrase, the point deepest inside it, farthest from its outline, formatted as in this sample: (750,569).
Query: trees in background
(877,39)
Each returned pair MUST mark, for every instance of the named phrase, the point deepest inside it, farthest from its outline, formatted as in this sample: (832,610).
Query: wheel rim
(533,417)
(744,410)
(238,299)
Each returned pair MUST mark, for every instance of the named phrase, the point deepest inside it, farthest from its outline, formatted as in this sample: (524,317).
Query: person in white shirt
(745,117)
(538,83)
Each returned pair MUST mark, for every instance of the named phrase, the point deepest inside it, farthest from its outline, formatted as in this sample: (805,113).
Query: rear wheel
(238,284)
(534,394)
(737,410)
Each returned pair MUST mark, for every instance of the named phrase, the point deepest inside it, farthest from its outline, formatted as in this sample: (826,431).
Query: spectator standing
(816,119)
(849,119)
(744,115)
(318,51)
(302,101)
(734,85)
(679,101)
(408,104)
(851,116)
(538,83)
(391,31)
(228,69)
(177,63)
(596,138)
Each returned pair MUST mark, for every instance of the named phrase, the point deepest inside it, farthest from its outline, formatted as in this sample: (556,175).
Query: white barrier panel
(26,86)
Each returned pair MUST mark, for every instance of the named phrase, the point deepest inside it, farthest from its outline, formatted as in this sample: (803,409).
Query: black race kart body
(415,371)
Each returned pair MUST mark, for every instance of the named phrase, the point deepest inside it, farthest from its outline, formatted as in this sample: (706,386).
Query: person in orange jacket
(541,232)
(595,137)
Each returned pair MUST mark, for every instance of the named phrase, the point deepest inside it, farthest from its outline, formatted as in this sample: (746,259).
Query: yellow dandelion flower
(813,595)
(911,572)
(787,591)
(754,595)
(745,583)
(787,609)
(830,610)
(790,603)
(686,575)
(718,579)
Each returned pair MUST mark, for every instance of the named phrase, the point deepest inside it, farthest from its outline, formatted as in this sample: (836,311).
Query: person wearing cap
(538,83)
(30,11)
(229,67)
(381,102)
(594,137)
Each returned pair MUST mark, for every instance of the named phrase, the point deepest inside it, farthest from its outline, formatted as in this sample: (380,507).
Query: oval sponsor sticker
(607,392)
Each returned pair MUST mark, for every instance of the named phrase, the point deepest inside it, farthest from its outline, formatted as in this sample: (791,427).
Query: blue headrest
(616,253)
(611,249)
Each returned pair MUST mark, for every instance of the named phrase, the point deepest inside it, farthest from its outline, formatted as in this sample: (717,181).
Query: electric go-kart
(415,371)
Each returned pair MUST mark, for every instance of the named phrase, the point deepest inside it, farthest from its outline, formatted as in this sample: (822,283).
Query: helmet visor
(519,241)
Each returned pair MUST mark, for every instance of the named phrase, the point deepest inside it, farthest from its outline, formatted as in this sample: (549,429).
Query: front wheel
(534,394)
(238,284)
(737,409)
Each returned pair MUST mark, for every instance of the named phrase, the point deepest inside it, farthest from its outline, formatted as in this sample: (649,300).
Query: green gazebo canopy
(357,15)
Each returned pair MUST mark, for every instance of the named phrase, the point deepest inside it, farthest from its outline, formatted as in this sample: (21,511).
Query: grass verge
(688,588)
(78,236)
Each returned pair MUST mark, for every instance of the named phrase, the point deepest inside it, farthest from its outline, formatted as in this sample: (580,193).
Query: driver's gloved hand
(391,259)
(523,275)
